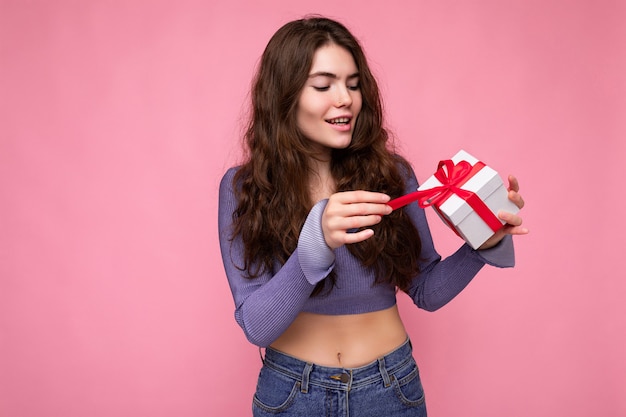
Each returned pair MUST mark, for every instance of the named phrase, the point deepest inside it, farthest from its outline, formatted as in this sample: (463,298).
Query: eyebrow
(331,75)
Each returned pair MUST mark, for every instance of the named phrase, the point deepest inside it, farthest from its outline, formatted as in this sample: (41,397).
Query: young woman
(313,253)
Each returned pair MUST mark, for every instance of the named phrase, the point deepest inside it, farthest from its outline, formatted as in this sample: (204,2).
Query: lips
(339,121)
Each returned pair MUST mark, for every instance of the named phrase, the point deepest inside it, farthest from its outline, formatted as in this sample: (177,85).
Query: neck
(321,183)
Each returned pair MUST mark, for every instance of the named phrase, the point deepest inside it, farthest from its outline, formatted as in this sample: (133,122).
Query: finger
(342,224)
(336,208)
(366,209)
(513,224)
(340,238)
(513,183)
(510,218)
(361,196)
(516,198)
(517,230)
(358,236)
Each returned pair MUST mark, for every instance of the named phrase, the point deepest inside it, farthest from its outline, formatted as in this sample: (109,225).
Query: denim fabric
(389,386)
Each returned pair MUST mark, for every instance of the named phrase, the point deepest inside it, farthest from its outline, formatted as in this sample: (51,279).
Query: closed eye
(350,87)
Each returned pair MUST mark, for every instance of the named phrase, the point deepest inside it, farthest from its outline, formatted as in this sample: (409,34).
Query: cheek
(357,111)
(357,104)
(307,123)
(312,113)
(304,118)
(306,109)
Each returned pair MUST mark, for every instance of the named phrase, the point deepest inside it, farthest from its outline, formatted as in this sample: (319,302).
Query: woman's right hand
(350,210)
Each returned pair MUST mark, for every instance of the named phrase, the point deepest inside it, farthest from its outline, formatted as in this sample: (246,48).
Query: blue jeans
(389,386)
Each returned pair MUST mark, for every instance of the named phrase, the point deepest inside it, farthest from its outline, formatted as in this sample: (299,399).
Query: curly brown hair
(273,182)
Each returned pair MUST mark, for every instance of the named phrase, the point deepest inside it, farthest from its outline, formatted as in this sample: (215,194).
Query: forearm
(444,279)
(268,303)
(267,312)
(439,280)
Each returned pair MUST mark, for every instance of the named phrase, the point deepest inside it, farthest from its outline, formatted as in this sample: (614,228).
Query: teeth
(339,121)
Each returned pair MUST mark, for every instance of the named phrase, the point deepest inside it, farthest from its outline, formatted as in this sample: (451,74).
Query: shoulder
(228,200)
(405,169)
(230,174)
(228,188)
(228,178)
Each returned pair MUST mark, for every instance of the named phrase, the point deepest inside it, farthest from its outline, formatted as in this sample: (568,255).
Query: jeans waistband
(339,378)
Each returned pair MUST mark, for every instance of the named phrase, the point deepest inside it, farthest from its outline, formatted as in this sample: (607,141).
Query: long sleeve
(266,305)
(442,280)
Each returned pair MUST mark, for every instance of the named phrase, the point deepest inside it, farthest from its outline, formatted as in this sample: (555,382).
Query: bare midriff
(343,341)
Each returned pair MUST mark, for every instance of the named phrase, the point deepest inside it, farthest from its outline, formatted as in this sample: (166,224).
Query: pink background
(117,120)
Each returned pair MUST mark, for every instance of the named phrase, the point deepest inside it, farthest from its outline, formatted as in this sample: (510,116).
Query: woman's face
(330,100)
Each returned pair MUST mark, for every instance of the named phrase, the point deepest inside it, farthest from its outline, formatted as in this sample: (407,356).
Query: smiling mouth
(339,121)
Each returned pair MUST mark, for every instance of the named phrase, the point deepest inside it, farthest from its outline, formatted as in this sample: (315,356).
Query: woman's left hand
(513,224)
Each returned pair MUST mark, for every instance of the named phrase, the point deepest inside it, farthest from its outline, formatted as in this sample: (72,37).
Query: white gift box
(457,213)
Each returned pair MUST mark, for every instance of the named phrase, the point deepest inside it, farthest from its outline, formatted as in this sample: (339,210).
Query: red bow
(451,176)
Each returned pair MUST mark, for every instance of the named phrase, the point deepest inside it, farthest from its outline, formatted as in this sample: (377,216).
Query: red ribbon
(451,176)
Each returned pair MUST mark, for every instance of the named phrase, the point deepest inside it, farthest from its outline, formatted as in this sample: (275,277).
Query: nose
(344,98)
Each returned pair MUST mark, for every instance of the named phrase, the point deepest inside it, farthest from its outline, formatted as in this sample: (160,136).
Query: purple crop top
(266,306)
